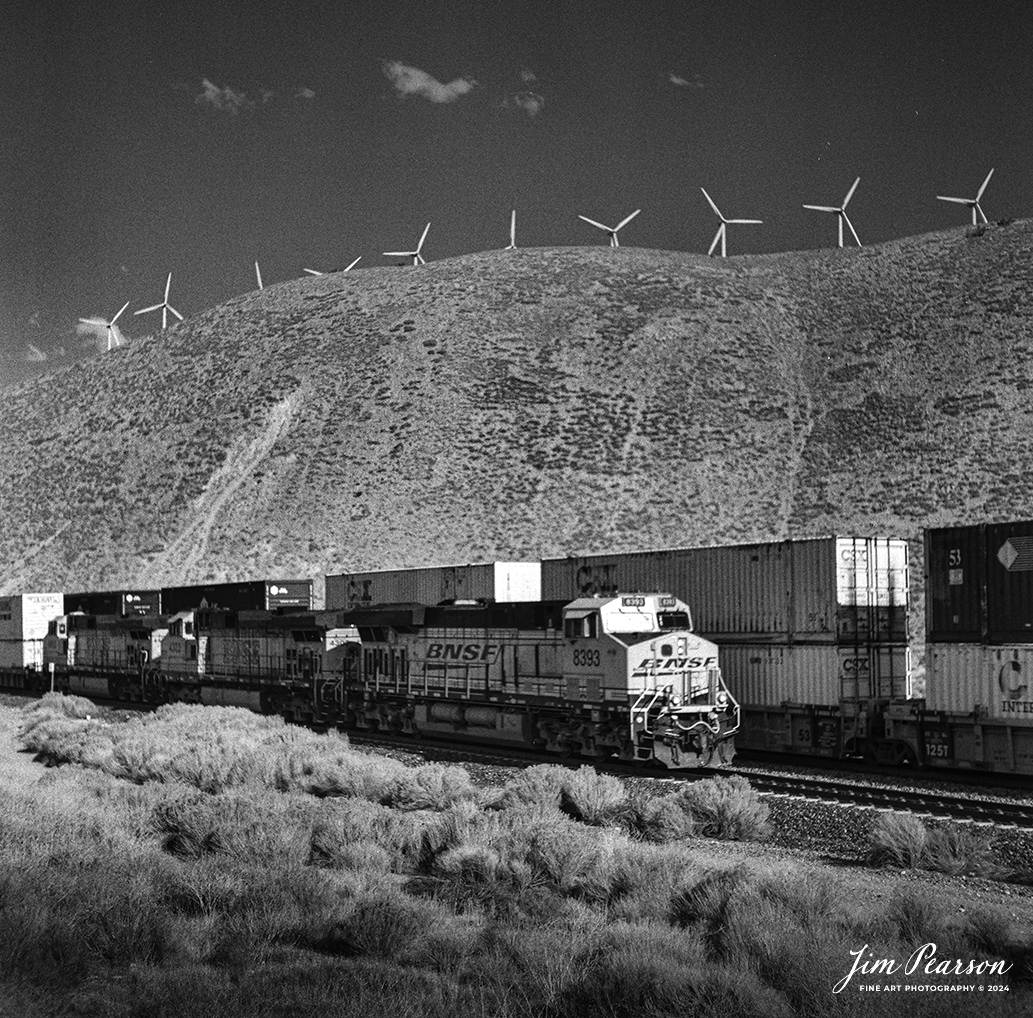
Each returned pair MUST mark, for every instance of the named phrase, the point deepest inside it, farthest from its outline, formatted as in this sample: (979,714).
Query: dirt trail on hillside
(190,548)
(18,770)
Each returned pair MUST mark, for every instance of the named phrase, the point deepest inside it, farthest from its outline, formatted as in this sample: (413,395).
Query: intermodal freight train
(623,676)
(817,649)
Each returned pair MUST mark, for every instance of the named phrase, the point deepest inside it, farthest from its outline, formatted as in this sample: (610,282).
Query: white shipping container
(767,675)
(783,590)
(497,581)
(987,681)
(23,625)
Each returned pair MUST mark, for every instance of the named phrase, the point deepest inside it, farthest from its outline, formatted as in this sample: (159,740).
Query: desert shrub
(659,819)
(540,785)
(265,828)
(956,850)
(591,797)
(383,926)
(726,808)
(646,878)
(647,969)
(431,786)
(897,839)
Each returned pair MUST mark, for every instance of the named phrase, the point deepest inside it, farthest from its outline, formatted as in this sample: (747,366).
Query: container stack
(485,581)
(979,608)
(819,624)
(248,595)
(23,625)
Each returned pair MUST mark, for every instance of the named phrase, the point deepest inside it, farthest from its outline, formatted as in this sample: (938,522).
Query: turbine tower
(722,233)
(840,211)
(417,258)
(165,306)
(258,276)
(316,272)
(612,230)
(110,326)
(973,203)
(512,231)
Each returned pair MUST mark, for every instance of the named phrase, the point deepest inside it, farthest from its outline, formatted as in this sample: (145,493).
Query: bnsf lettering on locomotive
(462,652)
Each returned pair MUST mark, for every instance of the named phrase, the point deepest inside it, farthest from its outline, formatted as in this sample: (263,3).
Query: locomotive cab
(640,648)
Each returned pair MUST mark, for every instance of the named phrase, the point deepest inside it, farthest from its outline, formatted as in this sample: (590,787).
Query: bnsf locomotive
(622,676)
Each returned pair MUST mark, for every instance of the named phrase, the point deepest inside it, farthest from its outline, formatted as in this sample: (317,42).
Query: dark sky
(195,141)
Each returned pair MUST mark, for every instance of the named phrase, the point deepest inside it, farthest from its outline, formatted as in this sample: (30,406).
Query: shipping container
(1009,582)
(822,675)
(248,595)
(490,581)
(114,602)
(955,585)
(23,626)
(984,681)
(979,582)
(826,590)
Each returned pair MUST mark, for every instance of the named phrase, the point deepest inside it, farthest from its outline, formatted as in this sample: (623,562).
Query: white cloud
(413,81)
(527,76)
(226,99)
(530,102)
(305,93)
(677,79)
(35,355)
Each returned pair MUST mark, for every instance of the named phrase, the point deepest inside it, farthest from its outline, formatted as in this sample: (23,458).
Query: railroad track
(882,798)
(858,795)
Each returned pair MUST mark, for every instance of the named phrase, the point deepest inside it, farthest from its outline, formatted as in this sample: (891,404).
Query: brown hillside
(533,403)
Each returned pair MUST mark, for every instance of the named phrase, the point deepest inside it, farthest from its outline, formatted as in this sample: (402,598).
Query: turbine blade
(354,263)
(419,246)
(852,230)
(399,254)
(624,222)
(850,193)
(717,237)
(153,307)
(594,223)
(120,310)
(95,321)
(979,209)
(960,201)
(164,316)
(744,220)
(420,260)
(168,283)
(979,193)
(512,229)
(175,312)
(312,272)
(258,275)
(822,208)
(712,205)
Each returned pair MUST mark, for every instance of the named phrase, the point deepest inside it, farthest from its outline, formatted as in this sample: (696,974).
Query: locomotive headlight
(722,699)
(675,701)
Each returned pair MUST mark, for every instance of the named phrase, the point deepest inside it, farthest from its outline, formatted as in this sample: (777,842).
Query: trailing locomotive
(623,676)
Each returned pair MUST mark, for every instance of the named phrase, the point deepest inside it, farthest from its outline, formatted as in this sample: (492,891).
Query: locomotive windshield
(673,620)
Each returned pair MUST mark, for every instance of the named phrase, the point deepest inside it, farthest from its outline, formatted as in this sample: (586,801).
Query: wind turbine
(417,258)
(110,326)
(512,231)
(973,203)
(165,306)
(722,233)
(840,211)
(316,272)
(258,276)
(612,230)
